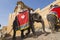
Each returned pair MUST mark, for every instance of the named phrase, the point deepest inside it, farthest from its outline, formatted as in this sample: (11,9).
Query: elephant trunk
(43,25)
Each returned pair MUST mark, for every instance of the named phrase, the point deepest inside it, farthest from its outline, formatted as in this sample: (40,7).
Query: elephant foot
(27,34)
(53,31)
(35,36)
(47,33)
(44,32)
(14,38)
(23,37)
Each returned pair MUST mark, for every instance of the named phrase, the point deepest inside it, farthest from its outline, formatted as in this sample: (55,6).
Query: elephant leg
(52,27)
(31,26)
(28,31)
(14,34)
(32,29)
(56,28)
(22,34)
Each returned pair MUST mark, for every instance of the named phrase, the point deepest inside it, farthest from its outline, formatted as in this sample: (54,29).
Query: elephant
(53,21)
(35,17)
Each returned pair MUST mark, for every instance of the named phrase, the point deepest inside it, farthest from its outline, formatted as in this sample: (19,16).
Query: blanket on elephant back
(23,20)
(57,10)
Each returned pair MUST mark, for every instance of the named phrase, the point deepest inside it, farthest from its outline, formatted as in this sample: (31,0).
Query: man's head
(20,4)
(51,6)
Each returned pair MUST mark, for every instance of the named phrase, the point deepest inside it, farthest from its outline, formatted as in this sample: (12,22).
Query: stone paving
(51,36)
(55,36)
(42,36)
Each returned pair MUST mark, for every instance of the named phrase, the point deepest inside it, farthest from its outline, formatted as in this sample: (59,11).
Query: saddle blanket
(23,20)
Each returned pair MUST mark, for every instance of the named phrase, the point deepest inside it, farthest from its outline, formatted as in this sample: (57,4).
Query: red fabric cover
(23,17)
(57,10)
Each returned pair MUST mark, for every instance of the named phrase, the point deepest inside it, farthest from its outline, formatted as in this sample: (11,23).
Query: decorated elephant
(54,17)
(33,18)
(24,19)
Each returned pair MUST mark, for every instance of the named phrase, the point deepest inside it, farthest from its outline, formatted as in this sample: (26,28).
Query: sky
(7,7)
